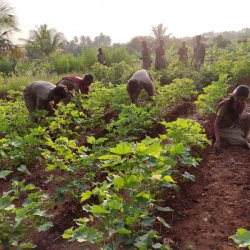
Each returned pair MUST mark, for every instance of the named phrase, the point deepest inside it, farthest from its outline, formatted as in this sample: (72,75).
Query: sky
(124,19)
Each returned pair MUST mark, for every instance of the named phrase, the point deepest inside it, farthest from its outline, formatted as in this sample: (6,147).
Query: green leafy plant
(241,238)
(17,221)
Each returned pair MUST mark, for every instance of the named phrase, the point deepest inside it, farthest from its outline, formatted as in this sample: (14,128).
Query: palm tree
(159,32)
(44,41)
(8,23)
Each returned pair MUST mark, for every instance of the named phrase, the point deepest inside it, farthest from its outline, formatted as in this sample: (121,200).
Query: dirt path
(208,211)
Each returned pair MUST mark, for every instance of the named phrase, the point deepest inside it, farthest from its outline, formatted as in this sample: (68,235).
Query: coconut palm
(44,41)
(8,23)
(160,32)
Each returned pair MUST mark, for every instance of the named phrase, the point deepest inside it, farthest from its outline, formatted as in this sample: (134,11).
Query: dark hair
(241,90)
(88,78)
(133,86)
(60,91)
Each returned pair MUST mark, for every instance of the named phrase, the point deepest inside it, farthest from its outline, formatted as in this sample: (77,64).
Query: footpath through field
(208,211)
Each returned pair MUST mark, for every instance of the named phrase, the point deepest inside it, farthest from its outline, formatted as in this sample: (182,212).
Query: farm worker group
(39,95)
(231,125)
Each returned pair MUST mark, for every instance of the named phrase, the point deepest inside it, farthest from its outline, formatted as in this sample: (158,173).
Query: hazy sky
(125,19)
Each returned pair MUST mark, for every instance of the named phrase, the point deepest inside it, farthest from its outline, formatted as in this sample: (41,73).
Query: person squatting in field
(75,85)
(141,79)
(232,122)
(38,96)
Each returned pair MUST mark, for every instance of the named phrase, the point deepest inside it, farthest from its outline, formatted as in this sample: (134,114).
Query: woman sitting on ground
(232,122)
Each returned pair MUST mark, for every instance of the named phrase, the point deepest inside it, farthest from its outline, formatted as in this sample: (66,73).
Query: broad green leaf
(99,210)
(148,221)
(85,195)
(110,157)
(30,187)
(157,246)
(23,169)
(91,139)
(50,167)
(122,148)
(143,195)
(242,237)
(118,182)
(67,233)
(188,176)
(177,149)
(39,212)
(4,173)
(154,150)
(45,226)
(27,245)
(169,179)
(115,204)
(124,231)
(131,220)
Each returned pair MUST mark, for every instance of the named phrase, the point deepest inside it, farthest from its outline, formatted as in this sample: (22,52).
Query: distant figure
(160,58)
(101,57)
(232,123)
(38,96)
(75,85)
(199,54)
(14,67)
(141,79)
(145,56)
(183,53)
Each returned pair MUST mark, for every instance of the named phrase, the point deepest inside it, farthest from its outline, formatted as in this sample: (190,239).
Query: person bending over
(75,85)
(38,96)
(141,79)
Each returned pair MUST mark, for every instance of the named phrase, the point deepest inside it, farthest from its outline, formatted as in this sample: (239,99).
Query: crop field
(103,173)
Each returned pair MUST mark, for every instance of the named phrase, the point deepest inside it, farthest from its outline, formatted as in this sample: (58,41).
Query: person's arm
(44,105)
(49,108)
(217,143)
(219,118)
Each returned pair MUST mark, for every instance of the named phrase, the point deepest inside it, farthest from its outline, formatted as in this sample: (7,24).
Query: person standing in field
(145,56)
(14,67)
(232,123)
(101,57)
(199,54)
(160,58)
(39,95)
(183,53)
(141,79)
(76,85)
